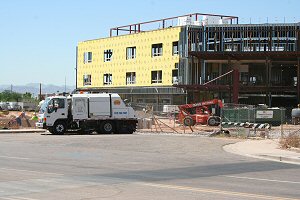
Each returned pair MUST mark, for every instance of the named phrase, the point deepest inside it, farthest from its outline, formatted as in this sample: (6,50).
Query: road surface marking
(213,191)
(24,198)
(11,157)
(37,172)
(45,181)
(261,179)
(16,198)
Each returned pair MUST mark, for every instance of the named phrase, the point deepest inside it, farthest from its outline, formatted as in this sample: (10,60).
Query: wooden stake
(158,124)
(167,126)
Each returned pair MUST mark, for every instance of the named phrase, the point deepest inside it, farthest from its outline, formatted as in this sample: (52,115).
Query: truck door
(100,106)
(80,108)
(57,109)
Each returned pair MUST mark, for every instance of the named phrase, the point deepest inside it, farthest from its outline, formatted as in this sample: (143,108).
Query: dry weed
(291,141)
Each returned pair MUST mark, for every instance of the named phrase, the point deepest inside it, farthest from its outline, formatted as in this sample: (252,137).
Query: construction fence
(257,122)
(150,121)
(274,122)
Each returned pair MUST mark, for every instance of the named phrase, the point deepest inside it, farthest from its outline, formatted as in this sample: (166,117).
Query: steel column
(298,80)
(268,77)
(203,71)
(236,86)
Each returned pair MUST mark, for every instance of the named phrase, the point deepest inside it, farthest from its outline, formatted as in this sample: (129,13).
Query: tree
(27,96)
(6,95)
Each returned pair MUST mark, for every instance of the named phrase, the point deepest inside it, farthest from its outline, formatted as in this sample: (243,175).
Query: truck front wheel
(107,127)
(188,121)
(50,129)
(59,128)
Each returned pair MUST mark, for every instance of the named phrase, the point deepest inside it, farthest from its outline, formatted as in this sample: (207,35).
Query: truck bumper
(40,125)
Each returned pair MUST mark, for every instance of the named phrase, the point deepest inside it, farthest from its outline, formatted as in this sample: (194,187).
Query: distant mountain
(34,88)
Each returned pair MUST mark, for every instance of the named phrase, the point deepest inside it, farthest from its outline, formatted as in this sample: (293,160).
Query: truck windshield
(44,105)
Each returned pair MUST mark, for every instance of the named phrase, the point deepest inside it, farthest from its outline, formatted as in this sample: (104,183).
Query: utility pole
(65,84)
(40,92)
(76,68)
(11,88)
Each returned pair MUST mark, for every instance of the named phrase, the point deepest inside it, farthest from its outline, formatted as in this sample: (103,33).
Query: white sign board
(264,114)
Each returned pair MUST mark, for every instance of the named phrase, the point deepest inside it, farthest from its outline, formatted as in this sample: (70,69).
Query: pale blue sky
(38,38)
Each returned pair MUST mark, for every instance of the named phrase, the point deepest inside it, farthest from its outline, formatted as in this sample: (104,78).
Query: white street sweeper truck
(103,113)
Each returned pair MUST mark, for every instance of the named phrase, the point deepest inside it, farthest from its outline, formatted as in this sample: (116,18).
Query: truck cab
(51,110)
(41,123)
(57,109)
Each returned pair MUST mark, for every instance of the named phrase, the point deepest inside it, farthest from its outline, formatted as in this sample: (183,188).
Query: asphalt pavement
(43,166)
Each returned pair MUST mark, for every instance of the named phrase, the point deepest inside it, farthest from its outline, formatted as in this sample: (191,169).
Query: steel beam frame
(127,28)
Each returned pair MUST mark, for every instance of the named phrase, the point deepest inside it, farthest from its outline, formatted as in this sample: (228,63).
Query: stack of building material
(144,123)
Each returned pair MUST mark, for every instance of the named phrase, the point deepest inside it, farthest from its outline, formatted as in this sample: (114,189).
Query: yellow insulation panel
(142,65)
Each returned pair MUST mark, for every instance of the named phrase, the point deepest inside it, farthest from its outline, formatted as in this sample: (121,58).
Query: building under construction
(192,58)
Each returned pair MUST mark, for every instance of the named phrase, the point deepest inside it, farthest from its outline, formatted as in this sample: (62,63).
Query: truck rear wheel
(131,129)
(107,127)
(59,128)
(213,121)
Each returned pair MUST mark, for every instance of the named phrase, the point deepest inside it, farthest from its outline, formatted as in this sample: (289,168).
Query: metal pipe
(218,77)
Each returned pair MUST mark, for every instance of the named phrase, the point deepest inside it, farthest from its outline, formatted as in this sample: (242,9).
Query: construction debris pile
(17,119)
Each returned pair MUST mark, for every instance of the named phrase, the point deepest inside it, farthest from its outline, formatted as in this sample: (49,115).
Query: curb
(281,159)
(275,158)
(22,131)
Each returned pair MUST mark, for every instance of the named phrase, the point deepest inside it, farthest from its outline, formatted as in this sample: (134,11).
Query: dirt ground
(171,125)
(158,124)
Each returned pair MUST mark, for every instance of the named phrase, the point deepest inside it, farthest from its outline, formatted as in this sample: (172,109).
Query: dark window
(87,57)
(156,76)
(175,76)
(108,55)
(107,79)
(157,50)
(130,53)
(175,48)
(87,80)
(130,78)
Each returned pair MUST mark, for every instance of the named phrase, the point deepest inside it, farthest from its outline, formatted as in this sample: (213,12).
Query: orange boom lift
(206,112)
